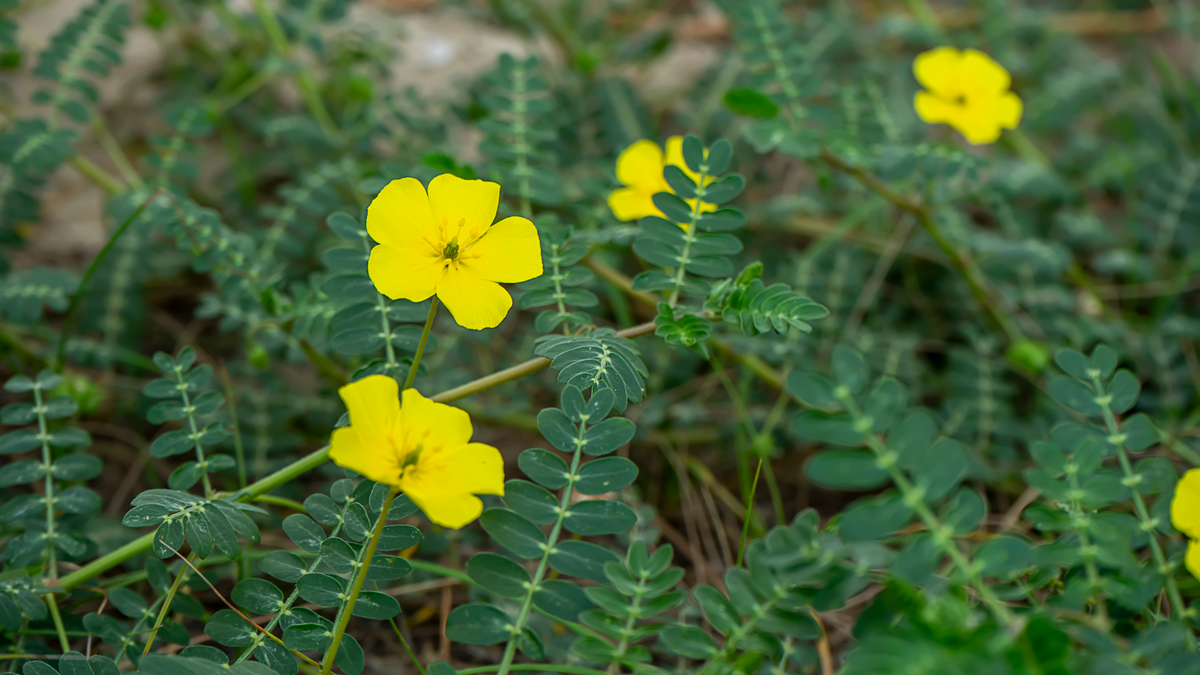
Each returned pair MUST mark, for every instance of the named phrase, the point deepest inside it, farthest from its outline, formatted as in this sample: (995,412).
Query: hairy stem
(1132,479)
(340,629)
(943,535)
(416,360)
(564,504)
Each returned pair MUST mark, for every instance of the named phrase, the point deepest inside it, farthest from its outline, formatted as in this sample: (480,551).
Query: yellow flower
(1185,516)
(640,170)
(444,242)
(422,447)
(967,90)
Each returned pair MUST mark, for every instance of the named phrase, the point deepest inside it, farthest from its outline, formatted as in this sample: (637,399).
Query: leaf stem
(535,667)
(73,308)
(315,459)
(564,504)
(690,236)
(943,535)
(90,170)
(1080,522)
(348,609)
(166,607)
(416,360)
(749,512)
(961,260)
(52,604)
(308,88)
(1131,479)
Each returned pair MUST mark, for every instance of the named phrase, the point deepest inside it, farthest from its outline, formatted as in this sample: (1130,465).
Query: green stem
(521,370)
(48,494)
(311,461)
(690,236)
(1132,479)
(110,145)
(556,276)
(348,609)
(925,16)
(1080,522)
(304,81)
(195,431)
(965,264)
(535,667)
(416,360)
(73,308)
(51,510)
(142,544)
(564,505)
(914,498)
(291,600)
(238,450)
(166,608)
(412,655)
(94,173)
(635,605)
(749,511)
(59,628)
(520,141)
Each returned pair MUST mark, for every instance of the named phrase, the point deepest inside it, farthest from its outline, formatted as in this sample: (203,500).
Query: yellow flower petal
(932,109)
(476,468)
(473,302)
(469,203)
(1008,111)
(446,509)
(369,457)
(405,273)
(640,166)
(374,405)
(366,445)
(445,483)
(631,204)
(1185,506)
(978,130)
(510,252)
(938,70)
(401,216)
(1192,558)
(436,426)
(980,73)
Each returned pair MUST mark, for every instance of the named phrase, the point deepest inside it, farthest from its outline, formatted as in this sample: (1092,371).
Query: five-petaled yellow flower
(423,448)
(1185,516)
(967,90)
(640,170)
(443,242)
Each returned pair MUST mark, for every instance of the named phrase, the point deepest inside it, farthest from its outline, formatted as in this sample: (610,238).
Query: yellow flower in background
(1185,516)
(423,448)
(443,242)
(967,90)
(640,170)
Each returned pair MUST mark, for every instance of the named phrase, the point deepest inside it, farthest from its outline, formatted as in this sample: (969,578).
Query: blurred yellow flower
(640,170)
(1185,516)
(423,448)
(443,242)
(967,90)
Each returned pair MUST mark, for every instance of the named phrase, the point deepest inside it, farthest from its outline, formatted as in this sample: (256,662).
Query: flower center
(410,458)
(451,250)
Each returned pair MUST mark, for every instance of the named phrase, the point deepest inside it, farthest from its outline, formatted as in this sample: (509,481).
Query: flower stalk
(416,361)
(348,609)
(510,650)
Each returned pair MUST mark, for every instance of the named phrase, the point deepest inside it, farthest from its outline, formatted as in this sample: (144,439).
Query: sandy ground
(438,47)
